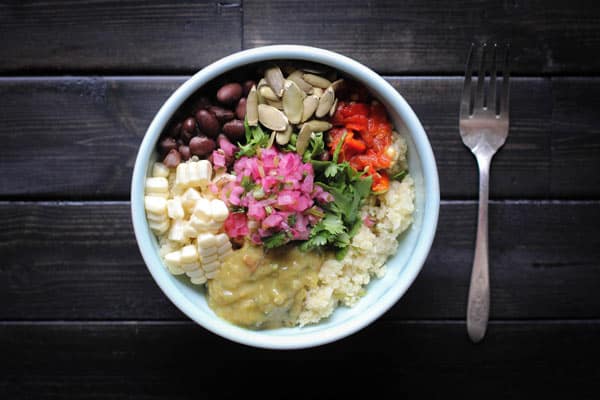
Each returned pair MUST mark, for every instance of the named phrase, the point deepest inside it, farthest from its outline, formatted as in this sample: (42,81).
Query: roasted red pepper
(369,135)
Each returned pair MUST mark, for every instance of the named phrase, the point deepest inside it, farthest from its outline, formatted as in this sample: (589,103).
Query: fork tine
(479,94)
(505,86)
(490,102)
(465,102)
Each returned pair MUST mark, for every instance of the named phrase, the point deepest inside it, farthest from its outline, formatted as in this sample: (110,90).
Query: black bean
(166,145)
(185,152)
(174,130)
(234,130)
(186,136)
(172,159)
(202,146)
(229,93)
(208,123)
(246,87)
(200,103)
(222,114)
(240,110)
(189,125)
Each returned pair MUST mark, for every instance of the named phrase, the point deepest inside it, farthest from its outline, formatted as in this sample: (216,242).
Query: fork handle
(479,292)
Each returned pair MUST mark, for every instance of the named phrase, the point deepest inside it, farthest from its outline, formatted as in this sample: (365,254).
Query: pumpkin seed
(316,125)
(337,84)
(260,84)
(271,139)
(277,104)
(325,103)
(274,78)
(292,101)
(288,69)
(303,139)
(316,80)
(296,77)
(317,92)
(310,105)
(252,107)
(268,93)
(284,137)
(333,107)
(272,118)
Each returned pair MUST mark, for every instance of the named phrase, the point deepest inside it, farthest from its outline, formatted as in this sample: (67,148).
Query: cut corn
(190,267)
(211,266)
(159,227)
(206,240)
(189,199)
(221,239)
(177,231)
(189,230)
(218,210)
(155,205)
(195,274)
(173,259)
(200,281)
(207,252)
(202,209)
(193,174)
(199,173)
(188,218)
(209,259)
(155,217)
(175,208)
(189,254)
(160,170)
(157,185)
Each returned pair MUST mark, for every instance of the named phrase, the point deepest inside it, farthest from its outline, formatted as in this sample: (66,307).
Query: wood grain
(181,360)
(432,37)
(425,37)
(72,261)
(83,134)
(151,36)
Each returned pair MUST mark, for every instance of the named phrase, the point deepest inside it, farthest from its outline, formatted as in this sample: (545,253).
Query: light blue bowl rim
(430,210)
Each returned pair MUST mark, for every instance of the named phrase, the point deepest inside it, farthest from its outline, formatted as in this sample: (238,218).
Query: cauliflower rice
(343,282)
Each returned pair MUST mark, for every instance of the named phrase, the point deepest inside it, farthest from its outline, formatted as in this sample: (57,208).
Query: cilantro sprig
(255,138)
(342,215)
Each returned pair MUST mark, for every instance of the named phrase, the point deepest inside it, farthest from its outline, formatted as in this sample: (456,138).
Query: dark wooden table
(80,315)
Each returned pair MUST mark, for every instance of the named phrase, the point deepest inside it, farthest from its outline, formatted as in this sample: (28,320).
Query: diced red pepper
(381,182)
(369,134)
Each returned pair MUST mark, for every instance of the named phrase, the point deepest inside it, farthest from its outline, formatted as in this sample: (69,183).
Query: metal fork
(483,127)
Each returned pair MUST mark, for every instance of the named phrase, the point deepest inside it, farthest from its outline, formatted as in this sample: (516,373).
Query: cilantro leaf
(255,138)
(332,224)
(349,189)
(338,148)
(275,240)
(316,147)
(332,170)
(400,175)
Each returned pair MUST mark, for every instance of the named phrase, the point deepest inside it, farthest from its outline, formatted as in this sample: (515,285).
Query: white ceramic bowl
(382,293)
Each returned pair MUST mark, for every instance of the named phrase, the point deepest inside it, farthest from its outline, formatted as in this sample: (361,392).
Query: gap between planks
(558,321)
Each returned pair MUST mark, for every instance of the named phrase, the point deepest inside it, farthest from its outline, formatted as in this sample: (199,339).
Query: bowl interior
(381,293)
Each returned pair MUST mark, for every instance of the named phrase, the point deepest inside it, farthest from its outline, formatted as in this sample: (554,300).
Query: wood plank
(152,36)
(575,143)
(521,169)
(85,132)
(429,360)
(80,261)
(432,37)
